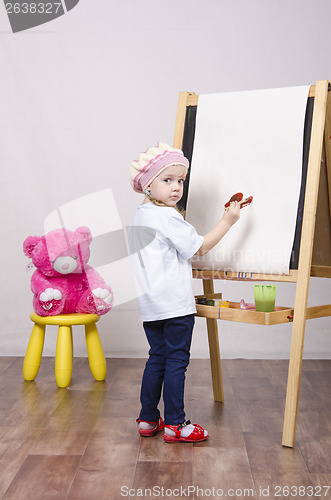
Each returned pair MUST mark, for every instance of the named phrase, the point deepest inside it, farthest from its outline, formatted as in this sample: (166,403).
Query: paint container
(224,303)
(210,302)
(265,296)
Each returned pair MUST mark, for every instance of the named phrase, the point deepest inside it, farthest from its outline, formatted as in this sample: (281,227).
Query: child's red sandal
(158,426)
(197,435)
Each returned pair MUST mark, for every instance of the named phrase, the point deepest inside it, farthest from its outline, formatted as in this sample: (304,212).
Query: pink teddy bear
(63,282)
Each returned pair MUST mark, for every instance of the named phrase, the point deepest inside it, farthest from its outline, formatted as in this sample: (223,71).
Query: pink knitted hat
(151,163)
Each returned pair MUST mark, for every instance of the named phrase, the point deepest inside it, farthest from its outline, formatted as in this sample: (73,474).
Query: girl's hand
(232,214)
(211,239)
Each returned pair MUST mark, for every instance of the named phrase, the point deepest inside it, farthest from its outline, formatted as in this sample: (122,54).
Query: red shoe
(159,426)
(197,435)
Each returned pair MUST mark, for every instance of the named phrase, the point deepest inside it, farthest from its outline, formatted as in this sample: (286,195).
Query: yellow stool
(64,349)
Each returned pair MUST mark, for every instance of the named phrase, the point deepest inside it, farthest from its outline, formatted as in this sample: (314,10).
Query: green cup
(265,296)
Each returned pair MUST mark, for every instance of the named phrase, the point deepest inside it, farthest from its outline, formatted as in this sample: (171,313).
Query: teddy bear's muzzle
(65,265)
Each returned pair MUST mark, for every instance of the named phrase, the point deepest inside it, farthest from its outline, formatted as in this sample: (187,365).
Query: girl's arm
(222,227)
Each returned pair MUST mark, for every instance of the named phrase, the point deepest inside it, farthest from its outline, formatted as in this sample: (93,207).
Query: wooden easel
(314,257)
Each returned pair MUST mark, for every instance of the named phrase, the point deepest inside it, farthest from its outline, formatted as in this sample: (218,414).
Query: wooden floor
(82,442)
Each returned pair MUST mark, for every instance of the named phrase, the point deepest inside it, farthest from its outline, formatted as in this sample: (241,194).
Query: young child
(167,309)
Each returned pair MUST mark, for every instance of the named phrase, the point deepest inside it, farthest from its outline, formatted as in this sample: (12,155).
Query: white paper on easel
(249,142)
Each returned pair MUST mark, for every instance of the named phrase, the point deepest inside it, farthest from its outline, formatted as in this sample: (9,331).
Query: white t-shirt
(162,268)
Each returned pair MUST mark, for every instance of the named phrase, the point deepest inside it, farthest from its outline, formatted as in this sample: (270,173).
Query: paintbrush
(239,197)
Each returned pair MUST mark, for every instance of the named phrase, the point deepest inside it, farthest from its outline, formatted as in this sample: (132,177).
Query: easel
(312,260)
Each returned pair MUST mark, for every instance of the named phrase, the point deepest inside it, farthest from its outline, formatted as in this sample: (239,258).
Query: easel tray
(278,316)
(235,313)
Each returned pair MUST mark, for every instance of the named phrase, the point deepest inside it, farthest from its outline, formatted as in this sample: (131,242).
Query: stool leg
(64,355)
(34,352)
(95,352)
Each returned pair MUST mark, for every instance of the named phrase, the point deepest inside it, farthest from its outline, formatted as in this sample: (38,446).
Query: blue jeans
(169,356)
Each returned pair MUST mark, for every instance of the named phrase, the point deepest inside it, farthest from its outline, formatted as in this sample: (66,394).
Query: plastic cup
(265,296)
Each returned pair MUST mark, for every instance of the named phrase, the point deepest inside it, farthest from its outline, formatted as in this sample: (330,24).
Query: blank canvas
(249,142)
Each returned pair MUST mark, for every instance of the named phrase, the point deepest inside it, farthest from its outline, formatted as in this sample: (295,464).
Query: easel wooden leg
(214,349)
(305,257)
(293,382)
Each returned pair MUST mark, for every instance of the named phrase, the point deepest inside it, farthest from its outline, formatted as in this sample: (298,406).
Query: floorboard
(82,442)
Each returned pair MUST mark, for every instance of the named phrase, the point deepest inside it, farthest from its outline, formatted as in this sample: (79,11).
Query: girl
(167,308)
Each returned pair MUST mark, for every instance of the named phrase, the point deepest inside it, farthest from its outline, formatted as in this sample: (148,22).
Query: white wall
(83,95)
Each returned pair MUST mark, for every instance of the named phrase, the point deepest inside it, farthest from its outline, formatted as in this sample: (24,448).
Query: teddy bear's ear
(85,233)
(29,244)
